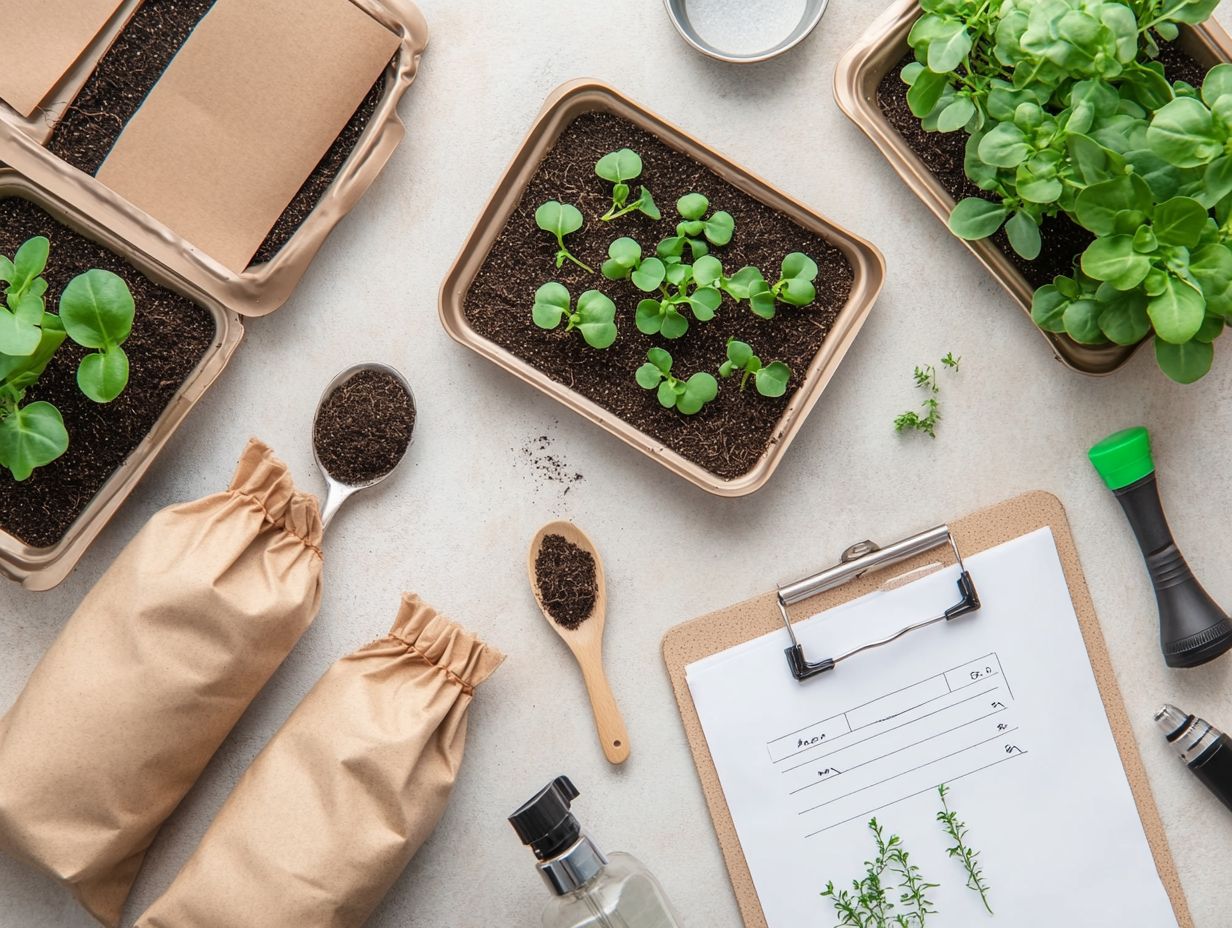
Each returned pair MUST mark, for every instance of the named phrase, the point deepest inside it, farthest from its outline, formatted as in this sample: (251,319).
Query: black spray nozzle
(545,823)
(1192,627)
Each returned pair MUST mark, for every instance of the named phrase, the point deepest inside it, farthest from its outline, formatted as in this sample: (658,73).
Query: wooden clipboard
(978,532)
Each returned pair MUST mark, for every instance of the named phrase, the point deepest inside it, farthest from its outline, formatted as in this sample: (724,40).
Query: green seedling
(694,287)
(770,380)
(593,317)
(794,287)
(926,380)
(561,219)
(96,312)
(696,230)
(625,261)
(687,396)
(620,167)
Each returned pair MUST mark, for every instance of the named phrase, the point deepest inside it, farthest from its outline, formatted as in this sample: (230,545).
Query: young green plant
(770,380)
(694,287)
(625,262)
(95,310)
(868,903)
(794,287)
(593,318)
(620,167)
(926,380)
(687,396)
(961,850)
(561,219)
(696,230)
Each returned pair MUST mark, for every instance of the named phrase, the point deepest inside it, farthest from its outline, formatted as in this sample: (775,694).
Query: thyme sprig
(868,903)
(961,850)
(926,380)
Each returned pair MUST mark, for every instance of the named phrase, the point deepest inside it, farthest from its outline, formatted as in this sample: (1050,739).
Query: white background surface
(454,524)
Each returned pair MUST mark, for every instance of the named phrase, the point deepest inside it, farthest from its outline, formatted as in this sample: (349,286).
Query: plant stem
(957,832)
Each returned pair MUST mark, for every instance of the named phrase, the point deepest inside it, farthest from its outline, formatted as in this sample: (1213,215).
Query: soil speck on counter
(364,427)
(567,580)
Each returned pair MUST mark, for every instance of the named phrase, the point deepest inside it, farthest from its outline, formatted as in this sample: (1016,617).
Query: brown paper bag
(330,813)
(150,674)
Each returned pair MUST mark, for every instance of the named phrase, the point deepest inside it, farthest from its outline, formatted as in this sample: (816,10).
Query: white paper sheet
(1000,705)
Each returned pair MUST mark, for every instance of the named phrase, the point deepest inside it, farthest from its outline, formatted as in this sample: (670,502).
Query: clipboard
(852,578)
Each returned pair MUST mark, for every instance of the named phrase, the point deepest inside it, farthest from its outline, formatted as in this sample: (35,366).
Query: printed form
(1001,706)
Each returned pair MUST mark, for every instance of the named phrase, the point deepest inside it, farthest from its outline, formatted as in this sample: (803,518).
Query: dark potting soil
(170,335)
(567,581)
(730,434)
(943,154)
(364,428)
(91,126)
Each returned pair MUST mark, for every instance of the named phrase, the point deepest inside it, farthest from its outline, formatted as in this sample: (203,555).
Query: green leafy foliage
(770,379)
(1069,114)
(794,287)
(685,287)
(620,167)
(961,849)
(96,311)
(625,262)
(926,380)
(686,396)
(593,318)
(869,902)
(696,231)
(561,219)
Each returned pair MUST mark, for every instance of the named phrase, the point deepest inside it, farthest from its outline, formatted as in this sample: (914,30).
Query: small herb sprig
(593,317)
(960,849)
(926,379)
(868,905)
(620,167)
(561,219)
(770,380)
(687,396)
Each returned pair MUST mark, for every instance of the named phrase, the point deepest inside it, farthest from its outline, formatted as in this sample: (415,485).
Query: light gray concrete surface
(455,523)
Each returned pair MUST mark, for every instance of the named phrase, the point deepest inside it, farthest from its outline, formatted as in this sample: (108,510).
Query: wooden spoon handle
(613,736)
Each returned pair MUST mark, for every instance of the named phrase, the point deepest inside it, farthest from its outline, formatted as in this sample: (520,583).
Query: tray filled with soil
(64,147)
(181,339)
(869,88)
(722,425)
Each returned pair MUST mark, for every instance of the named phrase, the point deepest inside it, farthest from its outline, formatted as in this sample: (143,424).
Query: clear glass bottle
(591,890)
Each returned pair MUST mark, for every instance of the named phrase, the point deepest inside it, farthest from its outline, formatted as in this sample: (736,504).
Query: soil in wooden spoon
(364,428)
(567,580)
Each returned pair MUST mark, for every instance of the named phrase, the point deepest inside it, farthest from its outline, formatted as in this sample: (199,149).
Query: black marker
(1205,749)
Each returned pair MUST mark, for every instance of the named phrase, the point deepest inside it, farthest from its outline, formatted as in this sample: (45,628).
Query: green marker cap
(1123,458)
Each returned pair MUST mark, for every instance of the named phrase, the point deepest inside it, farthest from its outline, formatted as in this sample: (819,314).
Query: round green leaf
(625,251)
(1123,319)
(1113,259)
(974,218)
(30,261)
(692,206)
(796,291)
(949,47)
(674,324)
(1217,181)
(667,394)
(598,335)
(649,317)
(31,437)
(660,359)
(648,376)
(1211,266)
(956,115)
(798,265)
(1217,83)
(740,283)
(593,306)
(1098,206)
(1177,312)
(700,389)
(738,352)
(1024,235)
(649,275)
(925,92)
(705,303)
(551,305)
(618,166)
(1179,221)
(720,228)
(558,218)
(1005,146)
(18,336)
(1184,363)
(772,379)
(1183,133)
(1048,307)
(761,301)
(103,375)
(1081,319)
(706,270)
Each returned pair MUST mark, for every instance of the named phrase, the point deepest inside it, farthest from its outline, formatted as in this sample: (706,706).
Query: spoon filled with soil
(362,430)
(566,577)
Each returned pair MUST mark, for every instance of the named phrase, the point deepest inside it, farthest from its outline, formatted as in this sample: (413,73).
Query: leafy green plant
(794,287)
(961,850)
(593,318)
(770,380)
(620,167)
(1068,114)
(926,380)
(625,262)
(561,219)
(687,396)
(868,904)
(696,230)
(95,310)
(694,287)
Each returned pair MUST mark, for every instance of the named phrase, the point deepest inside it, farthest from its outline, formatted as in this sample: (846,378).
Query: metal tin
(856,79)
(262,288)
(566,103)
(678,13)
(43,568)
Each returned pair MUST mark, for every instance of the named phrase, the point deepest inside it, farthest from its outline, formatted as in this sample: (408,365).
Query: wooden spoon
(586,643)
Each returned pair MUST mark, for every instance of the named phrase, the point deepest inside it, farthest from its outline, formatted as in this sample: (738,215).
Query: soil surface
(942,154)
(130,69)
(170,335)
(364,428)
(567,581)
(730,434)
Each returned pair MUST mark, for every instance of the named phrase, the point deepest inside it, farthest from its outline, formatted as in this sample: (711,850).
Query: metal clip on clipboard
(856,561)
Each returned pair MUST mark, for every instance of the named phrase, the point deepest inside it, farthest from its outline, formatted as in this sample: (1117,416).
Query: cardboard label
(243,115)
(42,41)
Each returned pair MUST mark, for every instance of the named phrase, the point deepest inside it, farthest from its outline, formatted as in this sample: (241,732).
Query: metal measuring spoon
(338,492)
